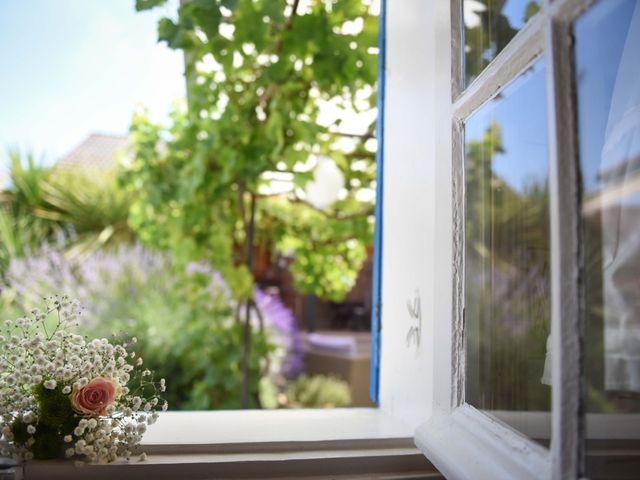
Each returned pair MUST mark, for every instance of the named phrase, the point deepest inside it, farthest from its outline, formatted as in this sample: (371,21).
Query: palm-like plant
(92,205)
(20,228)
(42,203)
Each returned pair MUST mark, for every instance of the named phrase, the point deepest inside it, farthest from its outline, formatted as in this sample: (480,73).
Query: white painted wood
(448,237)
(468,444)
(457,46)
(451,439)
(336,443)
(461,441)
(421,381)
(567,312)
(208,431)
(567,10)
(519,53)
(406,373)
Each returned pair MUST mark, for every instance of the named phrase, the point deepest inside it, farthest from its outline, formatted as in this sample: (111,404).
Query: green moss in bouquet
(54,407)
(62,395)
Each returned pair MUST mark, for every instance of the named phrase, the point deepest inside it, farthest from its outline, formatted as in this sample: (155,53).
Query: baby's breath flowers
(64,396)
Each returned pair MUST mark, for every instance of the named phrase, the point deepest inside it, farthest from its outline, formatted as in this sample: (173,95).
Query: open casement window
(531,137)
(306,443)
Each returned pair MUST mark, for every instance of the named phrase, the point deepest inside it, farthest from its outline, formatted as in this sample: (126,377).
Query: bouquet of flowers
(64,396)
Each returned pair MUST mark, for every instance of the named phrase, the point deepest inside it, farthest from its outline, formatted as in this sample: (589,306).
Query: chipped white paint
(485,447)
(567,329)
(414,334)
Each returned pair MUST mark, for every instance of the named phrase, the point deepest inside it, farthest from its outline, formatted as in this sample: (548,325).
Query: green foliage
(53,405)
(507,240)
(325,249)
(192,338)
(43,204)
(148,4)
(257,74)
(492,33)
(21,228)
(185,321)
(56,419)
(48,443)
(19,430)
(92,205)
(319,391)
(531,9)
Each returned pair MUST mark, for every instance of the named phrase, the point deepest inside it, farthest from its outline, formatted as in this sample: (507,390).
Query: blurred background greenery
(183,235)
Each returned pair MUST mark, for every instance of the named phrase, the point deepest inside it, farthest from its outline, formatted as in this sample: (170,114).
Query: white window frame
(261,444)
(307,442)
(422,355)
(461,441)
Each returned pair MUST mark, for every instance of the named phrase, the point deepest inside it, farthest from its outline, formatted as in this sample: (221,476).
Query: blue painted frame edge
(376,297)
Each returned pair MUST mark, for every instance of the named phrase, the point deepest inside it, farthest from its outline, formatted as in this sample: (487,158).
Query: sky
(69,68)
(525,157)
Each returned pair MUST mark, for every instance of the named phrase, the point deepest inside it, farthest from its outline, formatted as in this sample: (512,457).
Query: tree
(507,277)
(492,31)
(262,76)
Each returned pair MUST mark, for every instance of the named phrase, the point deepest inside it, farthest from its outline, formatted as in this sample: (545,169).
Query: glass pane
(608,73)
(488,26)
(507,307)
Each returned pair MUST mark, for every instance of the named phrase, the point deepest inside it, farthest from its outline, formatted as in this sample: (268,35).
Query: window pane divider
(484,447)
(567,10)
(457,331)
(457,49)
(567,312)
(521,52)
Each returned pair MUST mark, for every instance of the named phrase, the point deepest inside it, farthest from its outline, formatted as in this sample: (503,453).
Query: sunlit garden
(208,237)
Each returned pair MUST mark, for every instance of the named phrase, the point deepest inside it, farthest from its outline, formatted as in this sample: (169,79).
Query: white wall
(417,219)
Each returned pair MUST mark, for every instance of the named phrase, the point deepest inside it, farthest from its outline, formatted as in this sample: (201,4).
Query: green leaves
(142,5)
(176,35)
(319,391)
(259,77)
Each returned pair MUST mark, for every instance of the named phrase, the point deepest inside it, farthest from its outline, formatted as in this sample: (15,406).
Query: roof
(98,152)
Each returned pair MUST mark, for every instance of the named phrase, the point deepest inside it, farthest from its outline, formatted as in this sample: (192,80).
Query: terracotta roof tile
(97,152)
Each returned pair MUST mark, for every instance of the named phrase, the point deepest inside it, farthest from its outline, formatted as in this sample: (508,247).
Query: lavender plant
(184,319)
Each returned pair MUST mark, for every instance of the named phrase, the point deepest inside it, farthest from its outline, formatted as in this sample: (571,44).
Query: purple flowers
(280,319)
(113,282)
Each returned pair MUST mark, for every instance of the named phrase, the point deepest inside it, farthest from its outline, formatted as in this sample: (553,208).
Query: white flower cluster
(64,396)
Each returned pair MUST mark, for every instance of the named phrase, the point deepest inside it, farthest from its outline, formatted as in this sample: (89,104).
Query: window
(608,106)
(506,252)
(528,145)
(562,216)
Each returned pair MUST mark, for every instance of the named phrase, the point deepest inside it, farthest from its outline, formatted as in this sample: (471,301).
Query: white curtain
(620,217)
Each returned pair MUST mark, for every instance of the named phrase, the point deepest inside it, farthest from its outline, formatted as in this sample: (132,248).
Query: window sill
(484,447)
(217,431)
(343,443)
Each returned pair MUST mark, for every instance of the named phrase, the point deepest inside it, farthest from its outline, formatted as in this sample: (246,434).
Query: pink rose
(95,396)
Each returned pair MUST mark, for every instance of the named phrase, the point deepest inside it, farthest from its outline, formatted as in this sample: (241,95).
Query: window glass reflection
(507,293)
(608,73)
(488,26)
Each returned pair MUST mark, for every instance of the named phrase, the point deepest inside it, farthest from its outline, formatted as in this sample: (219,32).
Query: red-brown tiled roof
(98,152)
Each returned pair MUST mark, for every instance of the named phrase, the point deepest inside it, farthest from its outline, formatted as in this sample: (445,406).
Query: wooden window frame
(285,443)
(485,447)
